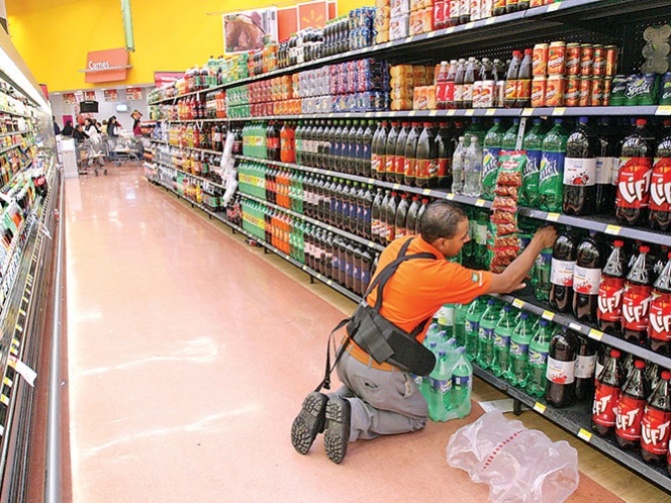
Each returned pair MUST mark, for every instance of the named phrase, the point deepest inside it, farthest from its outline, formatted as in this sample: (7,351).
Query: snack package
(511,167)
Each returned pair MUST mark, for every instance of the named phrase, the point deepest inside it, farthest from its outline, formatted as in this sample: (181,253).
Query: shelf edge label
(584,435)
(540,408)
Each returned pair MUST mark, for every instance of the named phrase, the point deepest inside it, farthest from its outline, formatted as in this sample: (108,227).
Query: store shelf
(199,178)
(171,121)
(11,133)
(323,225)
(160,142)
(577,421)
(311,272)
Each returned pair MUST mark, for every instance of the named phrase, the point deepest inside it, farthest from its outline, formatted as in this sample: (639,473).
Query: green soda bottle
(480,257)
(539,347)
(533,144)
(509,141)
(473,316)
(502,334)
(460,324)
(490,162)
(475,129)
(462,384)
(519,351)
(485,354)
(467,249)
(441,388)
(551,176)
(445,319)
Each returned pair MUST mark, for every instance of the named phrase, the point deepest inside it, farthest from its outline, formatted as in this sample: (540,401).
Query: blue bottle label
(486,333)
(517,349)
(538,358)
(501,341)
(461,381)
(533,164)
(472,326)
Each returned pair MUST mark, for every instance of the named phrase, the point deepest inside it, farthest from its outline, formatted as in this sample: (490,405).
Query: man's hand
(546,236)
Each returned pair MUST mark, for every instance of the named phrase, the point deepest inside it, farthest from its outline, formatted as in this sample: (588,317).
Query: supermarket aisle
(189,354)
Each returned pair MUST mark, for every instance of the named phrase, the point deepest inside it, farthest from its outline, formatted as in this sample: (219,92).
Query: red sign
(90,95)
(163,78)
(287,23)
(134,93)
(45,91)
(312,15)
(110,94)
(107,66)
(69,98)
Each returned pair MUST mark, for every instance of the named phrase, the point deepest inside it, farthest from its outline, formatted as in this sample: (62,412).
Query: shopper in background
(57,128)
(92,131)
(137,122)
(379,398)
(67,129)
(113,129)
(79,134)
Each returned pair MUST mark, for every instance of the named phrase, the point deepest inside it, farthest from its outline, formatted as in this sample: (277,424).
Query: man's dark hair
(440,220)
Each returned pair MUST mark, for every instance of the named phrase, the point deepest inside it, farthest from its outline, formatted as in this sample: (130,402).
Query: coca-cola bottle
(607,161)
(659,322)
(560,374)
(564,254)
(378,165)
(629,410)
(655,423)
(580,171)
(636,300)
(608,387)
(611,288)
(585,367)
(586,279)
(445,151)
(633,181)
(660,185)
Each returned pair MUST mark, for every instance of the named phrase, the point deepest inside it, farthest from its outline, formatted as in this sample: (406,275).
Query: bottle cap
(491,302)
(524,316)
(428,124)
(641,122)
(543,322)
(644,249)
(618,243)
(614,353)
(639,364)
(668,255)
(666,375)
(583,120)
(528,51)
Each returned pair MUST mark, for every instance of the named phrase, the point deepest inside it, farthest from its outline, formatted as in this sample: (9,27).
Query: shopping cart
(91,154)
(128,147)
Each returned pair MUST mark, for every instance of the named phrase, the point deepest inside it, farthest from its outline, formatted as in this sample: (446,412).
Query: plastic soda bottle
(586,279)
(460,324)
(564,256)
(446,319)
(473,315)
(519,352)
(607,394)
(580,171)
(560,387)
(551,177)
(659,322)
(462,384)
(490,162)
(533,144)
(486,335)
(660,186)
(458,167)
(502,334)
(441,387)
(611,288)
(655,423)
(473,169)
(636,299)
(630,407)
(540,275)
(539,347)
(509,140)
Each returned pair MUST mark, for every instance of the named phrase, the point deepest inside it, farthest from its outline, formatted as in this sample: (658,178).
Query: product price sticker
(552,217)
(613,229)
(585,435)
(559,111)
(539,407)
(575,326)
(426,192)
(470,112)
(548,315)
(527,112)
(663,110)
(518,303)
(595,334)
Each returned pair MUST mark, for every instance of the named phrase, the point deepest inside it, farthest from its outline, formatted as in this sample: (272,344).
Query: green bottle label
(551,178)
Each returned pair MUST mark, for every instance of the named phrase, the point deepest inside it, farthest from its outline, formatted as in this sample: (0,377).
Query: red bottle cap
(528,51)
(428,124)
(644,249)
(668,255)
(614,353)
(425,201)
(641,122)
(666,375)
(618,243)
(639,364)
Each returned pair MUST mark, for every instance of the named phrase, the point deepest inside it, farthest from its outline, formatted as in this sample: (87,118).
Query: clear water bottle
(458,167)
(473,169)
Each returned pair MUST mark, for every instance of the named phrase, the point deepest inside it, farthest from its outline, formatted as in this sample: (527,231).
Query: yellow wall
(54,36)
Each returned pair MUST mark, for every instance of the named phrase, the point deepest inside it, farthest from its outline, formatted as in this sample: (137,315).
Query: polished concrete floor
(189,355)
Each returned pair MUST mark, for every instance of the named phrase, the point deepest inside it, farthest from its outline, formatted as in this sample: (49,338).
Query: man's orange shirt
(420,287)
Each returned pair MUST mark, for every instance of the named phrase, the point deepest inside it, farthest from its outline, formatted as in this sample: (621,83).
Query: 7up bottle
(473,316)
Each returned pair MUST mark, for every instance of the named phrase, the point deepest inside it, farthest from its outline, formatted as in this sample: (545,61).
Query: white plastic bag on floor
(520,465)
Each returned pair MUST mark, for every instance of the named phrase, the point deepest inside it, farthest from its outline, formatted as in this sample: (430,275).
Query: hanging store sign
(69,98)
(134,93)
(111,95)
(248,30)
(107,66)
(312,15)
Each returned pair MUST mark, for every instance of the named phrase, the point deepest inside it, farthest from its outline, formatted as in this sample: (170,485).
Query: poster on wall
(111,95)
(90,95)
(304,15)
(134,93)
(245,31)
(69,98)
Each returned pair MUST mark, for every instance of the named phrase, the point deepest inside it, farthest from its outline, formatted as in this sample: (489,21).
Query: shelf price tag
(490,111)
(527,112)
(613,229)
(595,334)
(7,381)
(575,326)
(552,217)
(412,113)
(539,407)
(396,186)
(426,192)
(663,110)
(470,112)
(559,110)
(329,282)
(480,202)
(583,434)
(4,399)
(371,244)
(431,34)
(449,196)
(469,26)
(433,113)
(449,30)
(553,7)
(305,268)
(490,20)
(518,303)
(451,112)
(548,315)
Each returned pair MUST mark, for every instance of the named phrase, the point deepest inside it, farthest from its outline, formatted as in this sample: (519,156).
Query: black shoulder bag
(379,337)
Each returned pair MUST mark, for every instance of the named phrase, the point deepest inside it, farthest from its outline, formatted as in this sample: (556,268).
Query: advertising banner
(246,31)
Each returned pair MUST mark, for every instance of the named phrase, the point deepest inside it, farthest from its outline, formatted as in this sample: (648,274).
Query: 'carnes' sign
(106,66)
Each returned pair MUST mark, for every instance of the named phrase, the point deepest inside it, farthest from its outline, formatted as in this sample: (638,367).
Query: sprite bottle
(519,352)
(460,324)
(502,334)
(490,162)
(462,384)
(472,325)
(485,354)
(551,176)
(533,144)
(539,347)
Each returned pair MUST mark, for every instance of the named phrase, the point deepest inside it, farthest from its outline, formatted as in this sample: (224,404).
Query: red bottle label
(409,167)
(425,168)
(443,167)
(633,182)
(389,164)
(629,413)
(659,325)
(655,430)
(636,307)
(660,185)
(399,165)
(377,163)
(610,299)
(449,92)
(603,408)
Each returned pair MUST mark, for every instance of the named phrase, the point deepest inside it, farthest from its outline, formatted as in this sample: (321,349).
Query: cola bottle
(564,254)
(659,321)
(607,161)
(586,279)
(630,406)
(636,299)
(388,172)
(611,288)
(660,185)
(560,374)
(633,181)
(608,387)
(580,171)
(585,367)
(655,423)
